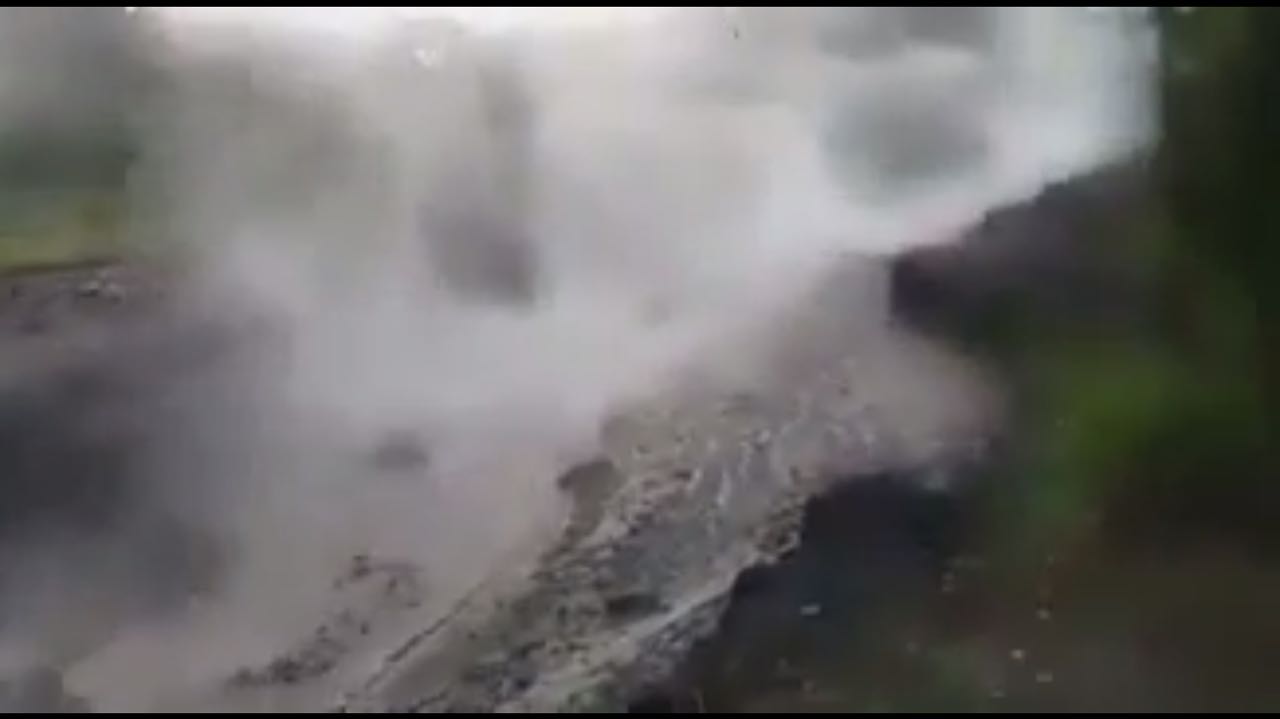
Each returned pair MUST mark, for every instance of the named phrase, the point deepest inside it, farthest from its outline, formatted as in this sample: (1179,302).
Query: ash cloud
(471,243)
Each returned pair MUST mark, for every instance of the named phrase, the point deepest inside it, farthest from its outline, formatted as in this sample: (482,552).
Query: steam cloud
(465,244)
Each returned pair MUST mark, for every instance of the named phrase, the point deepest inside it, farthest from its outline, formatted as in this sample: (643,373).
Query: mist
(441,252)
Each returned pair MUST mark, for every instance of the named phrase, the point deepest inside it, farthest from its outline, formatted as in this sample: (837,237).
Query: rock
(315,658)
(587,474)
(632,605)
(590,484)
(360,567)
(90,288)
(400,452)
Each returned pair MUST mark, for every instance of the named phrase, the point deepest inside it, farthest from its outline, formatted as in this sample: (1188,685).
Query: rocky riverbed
(683,491)
(689,490)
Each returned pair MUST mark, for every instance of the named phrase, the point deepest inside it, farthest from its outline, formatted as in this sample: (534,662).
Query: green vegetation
(1163,422)
(1130,539)
(62,194)
(53,227)
(75,76)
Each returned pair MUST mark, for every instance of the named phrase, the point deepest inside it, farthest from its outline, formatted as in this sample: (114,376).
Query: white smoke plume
(471,236)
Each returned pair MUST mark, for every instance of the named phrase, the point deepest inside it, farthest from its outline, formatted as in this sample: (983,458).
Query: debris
(810,610)
(1018,655)
(582,476)
(632,605)
(400,452)
(524,650)
(1044,677)
(361,567)
(313,658)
